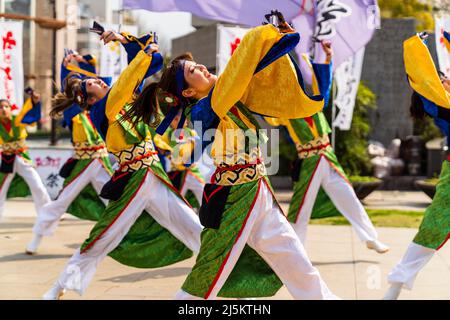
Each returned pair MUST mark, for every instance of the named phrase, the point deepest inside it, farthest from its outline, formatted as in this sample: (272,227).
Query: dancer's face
(5,110)
(96,89)
(198,78)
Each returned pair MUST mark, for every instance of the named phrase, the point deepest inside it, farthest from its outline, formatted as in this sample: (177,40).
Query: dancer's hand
(36,97)
(328,49)
(423,35)
(74,57)
(110,35)
(152,48)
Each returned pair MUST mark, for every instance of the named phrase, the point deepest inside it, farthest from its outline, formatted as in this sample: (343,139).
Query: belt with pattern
(229,175)
(139,156)
(313,148)
(85,150)
(15,147)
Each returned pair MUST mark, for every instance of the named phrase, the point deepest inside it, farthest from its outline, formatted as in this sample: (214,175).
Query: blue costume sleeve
(282,47)
(88,66)
(34,115)
(68,115)
(133,47)
(98,117)
(439,115)
(324,76)
(202,113)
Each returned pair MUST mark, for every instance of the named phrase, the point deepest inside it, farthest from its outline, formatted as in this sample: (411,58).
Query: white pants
(164,206)
(343,197)
(25,169)
(195,185)
(50,214)
(269,233)
(415,258)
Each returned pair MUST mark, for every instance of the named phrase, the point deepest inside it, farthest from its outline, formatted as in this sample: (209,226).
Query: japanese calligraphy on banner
(229,39)
(347,77)
(11,63)
(48,162)
(113,56)
(442,24)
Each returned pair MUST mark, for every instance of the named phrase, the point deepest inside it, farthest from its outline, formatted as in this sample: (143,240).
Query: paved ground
(351,271)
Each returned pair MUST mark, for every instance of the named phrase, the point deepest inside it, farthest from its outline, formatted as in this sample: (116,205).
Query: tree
(423,12)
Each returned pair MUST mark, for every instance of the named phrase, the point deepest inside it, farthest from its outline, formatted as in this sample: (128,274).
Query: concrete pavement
(350,270)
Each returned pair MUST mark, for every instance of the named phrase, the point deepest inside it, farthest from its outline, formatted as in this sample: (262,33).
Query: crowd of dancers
(155,202)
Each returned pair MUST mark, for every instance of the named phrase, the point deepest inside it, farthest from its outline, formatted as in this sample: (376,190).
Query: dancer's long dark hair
(417,108)
(146,107)
(63,100)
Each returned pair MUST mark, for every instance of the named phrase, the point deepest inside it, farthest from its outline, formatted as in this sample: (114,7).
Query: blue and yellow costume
(434,231)
(88,146)
(258,71)
(13,144)
(147,244)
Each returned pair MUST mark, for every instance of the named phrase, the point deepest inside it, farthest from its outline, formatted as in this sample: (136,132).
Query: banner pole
(333,116)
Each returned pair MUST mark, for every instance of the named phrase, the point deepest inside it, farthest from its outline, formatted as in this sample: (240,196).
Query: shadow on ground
(153,274)
(24,257)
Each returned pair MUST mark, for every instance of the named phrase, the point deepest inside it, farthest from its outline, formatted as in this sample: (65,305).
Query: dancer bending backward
(86,172)
(431,97)
(171,230)
(248,248)
(317,167)
(17,175)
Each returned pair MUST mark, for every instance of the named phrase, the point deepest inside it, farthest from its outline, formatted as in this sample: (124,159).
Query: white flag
(113,56)
(229,39)
(442,24)
(11,63)
(347,78)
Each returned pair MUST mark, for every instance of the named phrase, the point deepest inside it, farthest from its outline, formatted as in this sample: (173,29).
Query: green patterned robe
(251,276)
(435,228)
(323,207)
(147,244)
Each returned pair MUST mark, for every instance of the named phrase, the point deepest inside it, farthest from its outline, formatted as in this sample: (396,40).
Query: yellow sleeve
(123,89)
(233,82)
(275,122)
(181,154)
(162,143)
(422,73)
(28,105)
(278,82)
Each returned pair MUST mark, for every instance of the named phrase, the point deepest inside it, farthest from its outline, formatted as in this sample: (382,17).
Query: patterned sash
(248,169)
(142,155)
(86,150)
(313,148)
(15,147)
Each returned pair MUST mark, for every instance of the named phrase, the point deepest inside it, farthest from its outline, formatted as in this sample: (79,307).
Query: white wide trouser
(195,185)
(25,169)
(161,203)
(415,258)
(269,233)
(343,197)
(50,214)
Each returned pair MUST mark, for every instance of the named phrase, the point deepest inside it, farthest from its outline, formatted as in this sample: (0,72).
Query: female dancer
(86,172)
(317,167)
(171,229)
(15,157)
(431,97)
(248,248)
